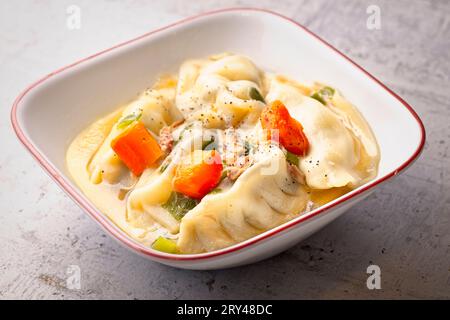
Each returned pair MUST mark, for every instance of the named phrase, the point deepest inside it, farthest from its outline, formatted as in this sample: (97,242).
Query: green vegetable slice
(292,158)
(209,144)
(215,190)
(318,97)
(223,175)
(256,95)
(129,119)
(178,205)
(327,92)
(165,245)
(323,94)
(163,167)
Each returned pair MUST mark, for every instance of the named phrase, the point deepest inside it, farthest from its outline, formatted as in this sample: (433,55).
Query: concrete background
(404,227)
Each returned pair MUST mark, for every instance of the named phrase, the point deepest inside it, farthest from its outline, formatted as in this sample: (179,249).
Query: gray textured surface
(404,227)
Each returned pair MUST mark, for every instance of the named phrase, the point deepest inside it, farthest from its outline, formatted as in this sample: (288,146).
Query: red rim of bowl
(129,242)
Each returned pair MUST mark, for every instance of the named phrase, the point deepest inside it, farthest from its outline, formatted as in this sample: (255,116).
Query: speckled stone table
(404,227)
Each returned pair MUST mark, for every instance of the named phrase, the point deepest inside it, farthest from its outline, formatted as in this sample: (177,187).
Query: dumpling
(335,153)
(145,200)
(223,219)
(144,203)
(156,109)
(217,91)
(355,122)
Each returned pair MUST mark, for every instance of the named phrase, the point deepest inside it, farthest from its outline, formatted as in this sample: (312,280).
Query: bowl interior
(54,111)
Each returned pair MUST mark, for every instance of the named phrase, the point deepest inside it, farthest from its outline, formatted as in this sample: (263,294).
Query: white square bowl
(52,111)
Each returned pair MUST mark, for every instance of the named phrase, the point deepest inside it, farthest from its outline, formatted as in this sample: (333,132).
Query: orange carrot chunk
(198,173)
(136,148)
(276,118)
